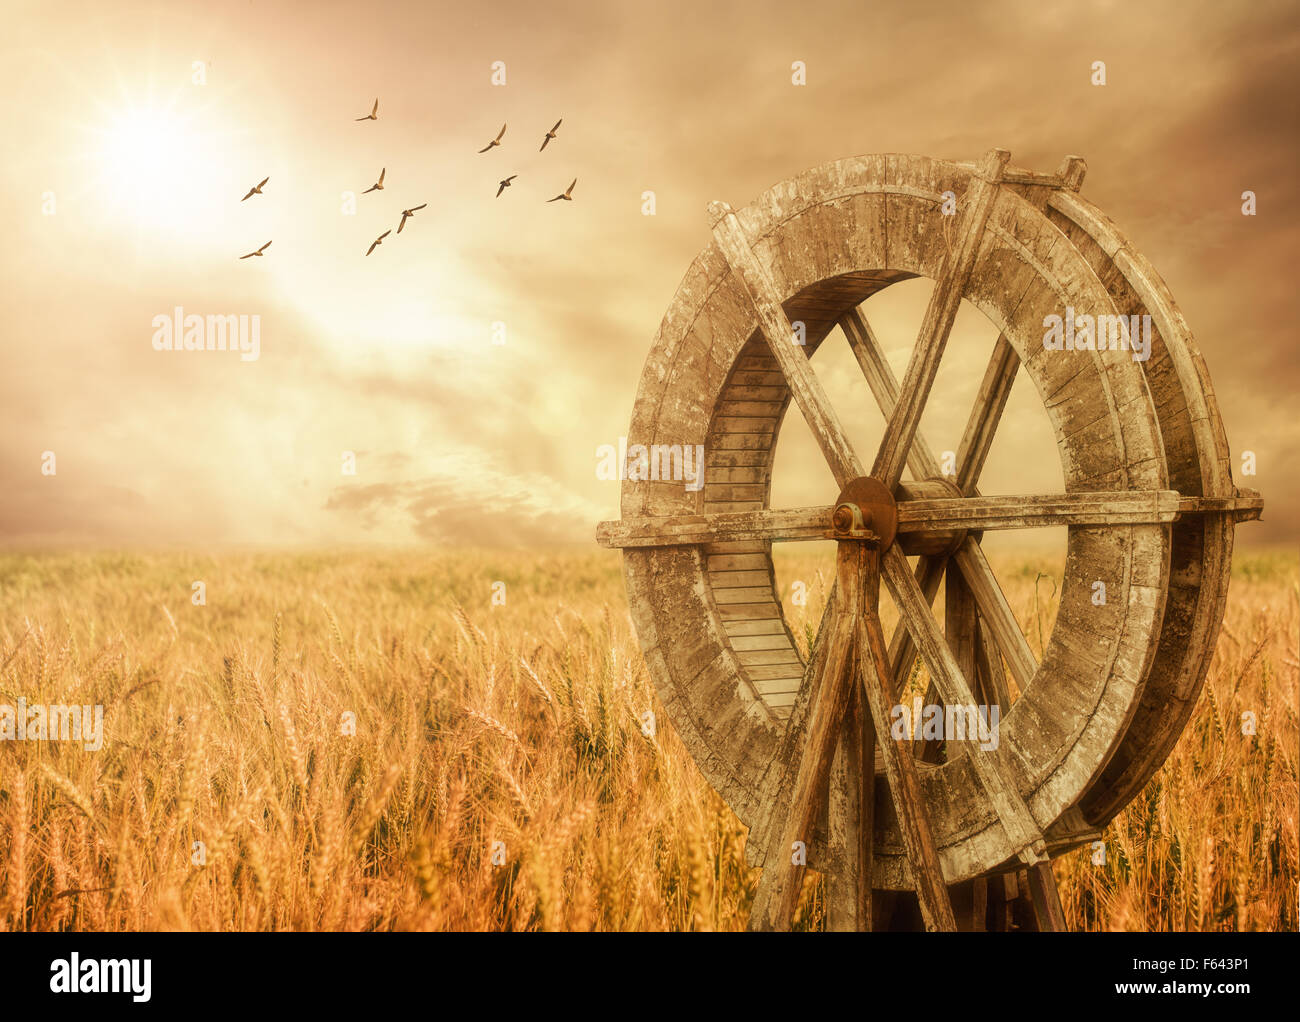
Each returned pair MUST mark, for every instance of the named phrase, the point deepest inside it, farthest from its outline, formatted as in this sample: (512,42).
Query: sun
(148,161)
(157,167)
(139,145)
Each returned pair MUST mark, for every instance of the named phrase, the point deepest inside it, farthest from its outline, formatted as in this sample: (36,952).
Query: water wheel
(1148,500)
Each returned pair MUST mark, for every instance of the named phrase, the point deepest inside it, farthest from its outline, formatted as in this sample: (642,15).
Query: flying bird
(567,194)
(375,244)
(495,141)
(373,115)
(256,189)
(257,253)
(551,134)
(378,185)
(406,213)
(505,184)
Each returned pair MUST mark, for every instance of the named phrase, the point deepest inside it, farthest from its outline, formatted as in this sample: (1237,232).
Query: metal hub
(866,511)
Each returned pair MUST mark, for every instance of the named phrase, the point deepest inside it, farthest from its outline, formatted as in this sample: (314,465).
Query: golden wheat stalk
(16,875)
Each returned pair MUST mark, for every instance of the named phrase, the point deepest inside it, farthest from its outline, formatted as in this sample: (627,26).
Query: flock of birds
(378,186)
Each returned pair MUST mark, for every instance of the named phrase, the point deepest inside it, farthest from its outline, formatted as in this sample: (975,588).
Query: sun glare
(153,167)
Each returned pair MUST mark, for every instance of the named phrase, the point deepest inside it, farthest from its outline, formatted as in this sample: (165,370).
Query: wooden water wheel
(1149,503)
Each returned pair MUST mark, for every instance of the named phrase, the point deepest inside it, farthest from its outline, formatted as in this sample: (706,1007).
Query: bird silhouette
(407,213)
(495,141)
(567,194)
(378,186)
(551,134)
(373,115)
(257,253)
(505,184)
(376,243)
(256,189)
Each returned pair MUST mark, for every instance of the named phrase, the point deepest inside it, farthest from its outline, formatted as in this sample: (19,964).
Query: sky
(135,128)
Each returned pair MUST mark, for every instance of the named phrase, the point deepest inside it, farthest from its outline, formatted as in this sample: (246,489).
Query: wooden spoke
(972,452)
(990,402)
(1028,511)
(984,417)
(937,324)
(1119,507)
(992,672)
(960,625)
(880,378)
(996,612)
(976,440)
(991,768)
(798,371)
(902,650)
(775,526)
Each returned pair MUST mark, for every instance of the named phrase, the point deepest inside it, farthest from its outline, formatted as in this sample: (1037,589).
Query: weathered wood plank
(760,657)
(738,562)
(771,626)
(749,643)
(755,594)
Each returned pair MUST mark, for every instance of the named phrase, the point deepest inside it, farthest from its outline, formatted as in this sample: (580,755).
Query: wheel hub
(865,510)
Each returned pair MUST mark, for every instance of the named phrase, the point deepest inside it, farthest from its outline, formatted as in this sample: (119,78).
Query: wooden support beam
(976,441)
(1246,506)
(806,774)
(1003,893)
(1048,911)
(901,773)
(850,820)
(1071,172)
(863,729)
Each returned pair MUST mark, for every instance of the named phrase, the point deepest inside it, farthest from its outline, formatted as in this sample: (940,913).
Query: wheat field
(367,742)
